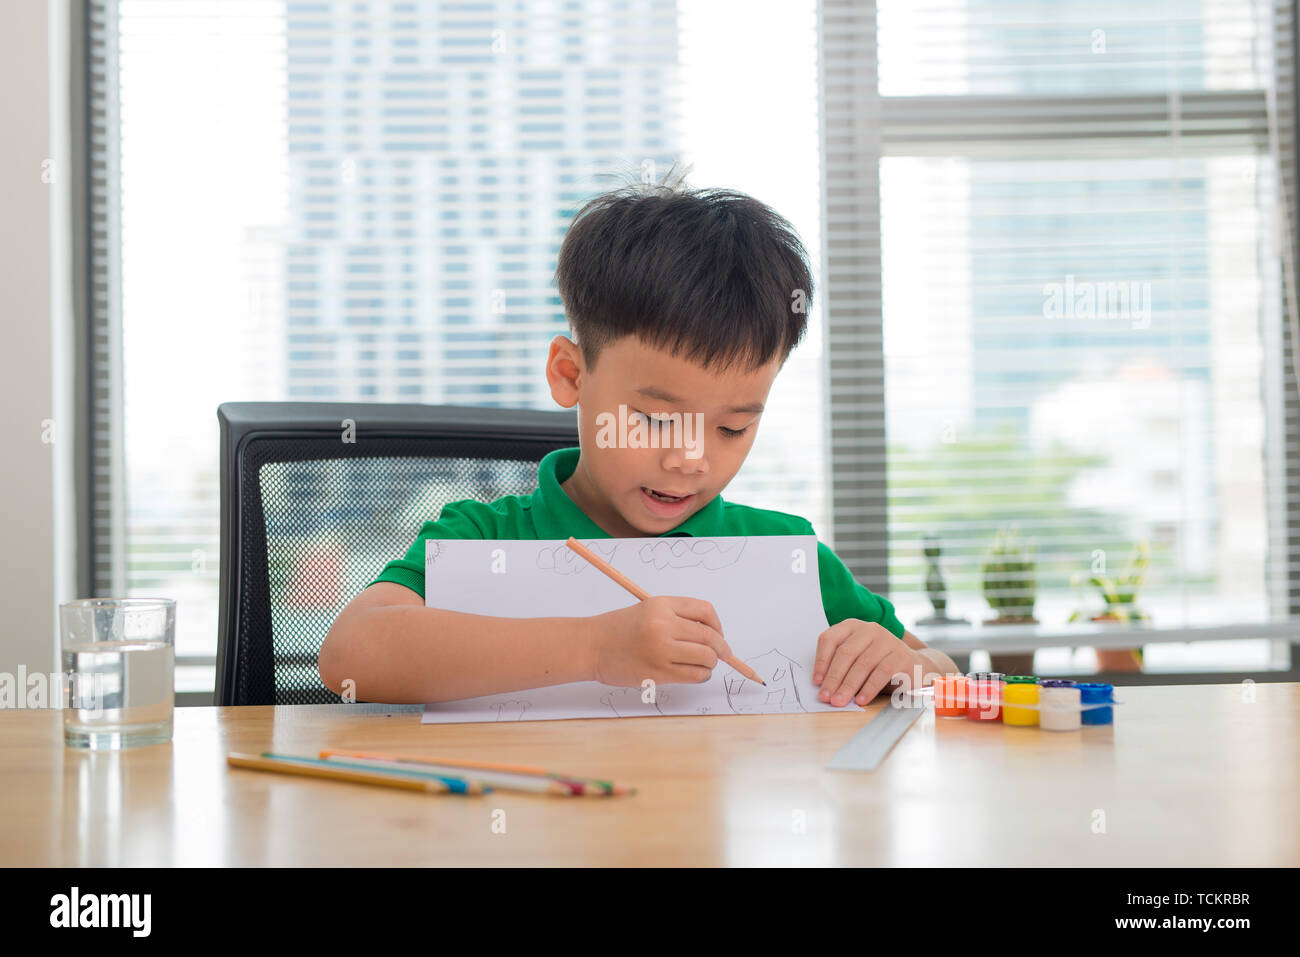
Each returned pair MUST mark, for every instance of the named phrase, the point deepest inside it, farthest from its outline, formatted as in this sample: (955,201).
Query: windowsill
(196,677)
(1031,637)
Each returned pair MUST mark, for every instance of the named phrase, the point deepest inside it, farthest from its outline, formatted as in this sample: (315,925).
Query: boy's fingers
(827,642)
(875,683)
(697,609)
(695,653)
(867,658)
(694,631)
(853,680)
(690,674)
(836,671)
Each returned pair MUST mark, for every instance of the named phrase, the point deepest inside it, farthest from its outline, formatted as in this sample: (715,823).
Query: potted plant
(1009,582)
(1119,594)
(1120,597)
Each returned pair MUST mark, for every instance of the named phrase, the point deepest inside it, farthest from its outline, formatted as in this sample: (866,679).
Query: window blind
(1057,303)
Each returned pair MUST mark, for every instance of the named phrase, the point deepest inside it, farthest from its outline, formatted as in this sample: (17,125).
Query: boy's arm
(387,646)
(392,648)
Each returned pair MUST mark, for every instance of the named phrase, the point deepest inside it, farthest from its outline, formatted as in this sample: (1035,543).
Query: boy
(684,305)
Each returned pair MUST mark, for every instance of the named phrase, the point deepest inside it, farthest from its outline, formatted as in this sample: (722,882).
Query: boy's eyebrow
(651,392)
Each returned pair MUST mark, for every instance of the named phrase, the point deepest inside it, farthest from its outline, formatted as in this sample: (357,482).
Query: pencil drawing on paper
(704,553)
(781,696)
(512,710)
(563,560)
(771,617)
(628,703)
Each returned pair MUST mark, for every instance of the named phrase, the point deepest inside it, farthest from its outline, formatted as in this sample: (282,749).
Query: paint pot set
(1023,700)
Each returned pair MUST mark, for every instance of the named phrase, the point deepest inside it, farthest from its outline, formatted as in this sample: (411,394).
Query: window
(1050,291)
(1079,327)
(295,205)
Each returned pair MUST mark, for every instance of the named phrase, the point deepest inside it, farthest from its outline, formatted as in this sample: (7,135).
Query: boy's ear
(564,370)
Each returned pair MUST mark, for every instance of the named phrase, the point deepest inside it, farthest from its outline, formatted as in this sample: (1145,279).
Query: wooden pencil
(322,769)
(496,780)
(642,594)
(592,785)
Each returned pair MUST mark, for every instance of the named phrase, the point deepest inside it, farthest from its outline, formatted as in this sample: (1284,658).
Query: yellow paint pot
(1020,689)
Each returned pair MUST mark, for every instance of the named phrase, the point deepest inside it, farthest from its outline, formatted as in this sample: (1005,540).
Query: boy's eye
(655,420)
(660,422)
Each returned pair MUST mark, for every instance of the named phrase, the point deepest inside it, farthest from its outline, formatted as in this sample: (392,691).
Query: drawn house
(781,696)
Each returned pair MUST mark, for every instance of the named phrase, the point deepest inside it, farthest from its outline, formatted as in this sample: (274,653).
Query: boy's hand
(860,658)
(666,638)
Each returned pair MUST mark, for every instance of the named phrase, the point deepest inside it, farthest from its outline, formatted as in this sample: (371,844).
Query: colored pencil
(592,784)
(642,594)
(496,780)
(312,767)
(455,783)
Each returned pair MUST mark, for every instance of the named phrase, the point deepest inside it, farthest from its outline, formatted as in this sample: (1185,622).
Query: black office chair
(317,497)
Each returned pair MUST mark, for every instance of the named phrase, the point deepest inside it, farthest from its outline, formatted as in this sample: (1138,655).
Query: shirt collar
(555,515)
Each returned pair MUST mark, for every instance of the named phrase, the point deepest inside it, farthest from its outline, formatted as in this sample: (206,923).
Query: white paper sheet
(765,590)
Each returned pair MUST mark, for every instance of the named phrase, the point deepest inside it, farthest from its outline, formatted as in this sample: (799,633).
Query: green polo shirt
(549,513)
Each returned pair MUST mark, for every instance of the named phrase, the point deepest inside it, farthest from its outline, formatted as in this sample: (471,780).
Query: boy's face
(699,449)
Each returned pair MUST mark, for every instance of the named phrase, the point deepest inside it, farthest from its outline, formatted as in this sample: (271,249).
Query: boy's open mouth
(664,496)
(663,504)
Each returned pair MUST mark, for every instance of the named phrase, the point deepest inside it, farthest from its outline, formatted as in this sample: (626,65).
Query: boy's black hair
(713,275)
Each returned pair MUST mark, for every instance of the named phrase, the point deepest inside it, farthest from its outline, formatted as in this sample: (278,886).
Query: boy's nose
(678,460)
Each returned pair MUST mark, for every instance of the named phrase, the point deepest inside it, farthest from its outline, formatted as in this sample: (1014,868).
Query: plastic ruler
(866,749)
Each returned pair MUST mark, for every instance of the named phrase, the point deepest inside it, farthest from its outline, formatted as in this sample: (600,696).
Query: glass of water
(119,662)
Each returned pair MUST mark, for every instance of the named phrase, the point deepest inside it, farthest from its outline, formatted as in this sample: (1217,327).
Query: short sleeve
(843,597)
(457,520)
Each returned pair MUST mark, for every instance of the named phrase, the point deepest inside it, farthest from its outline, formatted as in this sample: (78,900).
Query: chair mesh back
(319,519)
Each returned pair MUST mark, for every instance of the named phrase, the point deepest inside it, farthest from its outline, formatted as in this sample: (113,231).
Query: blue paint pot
(1096,693)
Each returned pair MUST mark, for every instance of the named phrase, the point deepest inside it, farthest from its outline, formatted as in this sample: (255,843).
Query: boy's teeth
(664,498)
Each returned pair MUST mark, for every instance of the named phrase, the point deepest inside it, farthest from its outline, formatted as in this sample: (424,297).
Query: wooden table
(1187,775)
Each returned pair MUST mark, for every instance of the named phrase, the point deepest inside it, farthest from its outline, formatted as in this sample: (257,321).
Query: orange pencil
(642,594)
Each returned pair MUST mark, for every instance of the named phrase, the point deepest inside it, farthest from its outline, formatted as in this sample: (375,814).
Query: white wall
(34,291)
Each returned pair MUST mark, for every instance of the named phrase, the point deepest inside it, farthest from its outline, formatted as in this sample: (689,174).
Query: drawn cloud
(563,560)
(691,553)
